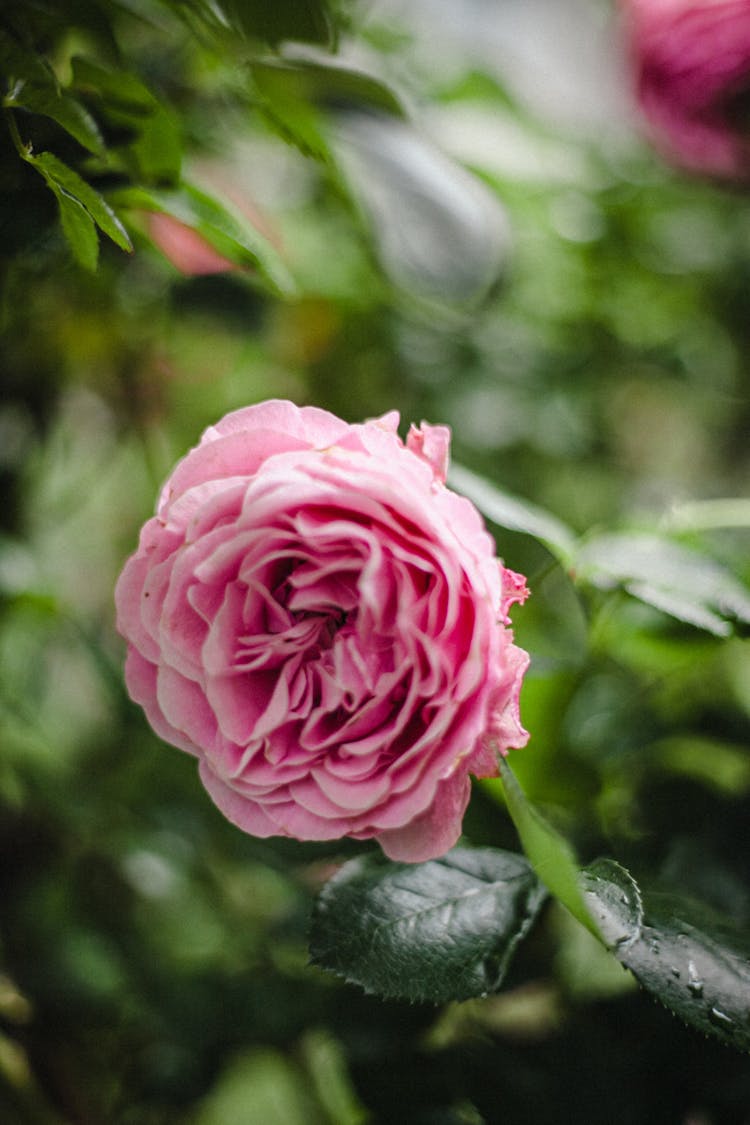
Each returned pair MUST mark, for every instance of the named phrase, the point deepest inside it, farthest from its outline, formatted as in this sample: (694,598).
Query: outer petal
(434,832)
(433,444)
(184,706)
(141,680)
(314,427)
(245,813)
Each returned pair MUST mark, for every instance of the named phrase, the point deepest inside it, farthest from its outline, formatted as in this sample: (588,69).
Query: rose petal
(141,680)
(432,443)
(434,832)
(246,814)
(185,707)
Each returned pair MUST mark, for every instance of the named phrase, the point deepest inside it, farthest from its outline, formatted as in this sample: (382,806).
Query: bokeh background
(510,258)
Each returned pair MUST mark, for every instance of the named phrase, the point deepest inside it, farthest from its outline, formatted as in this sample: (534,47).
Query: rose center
(329,624)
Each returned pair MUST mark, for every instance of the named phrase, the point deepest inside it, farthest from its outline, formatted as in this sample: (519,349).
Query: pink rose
(692,69)
(323,624)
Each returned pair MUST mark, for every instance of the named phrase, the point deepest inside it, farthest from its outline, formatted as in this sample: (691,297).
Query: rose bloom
(691,60)
(317,618)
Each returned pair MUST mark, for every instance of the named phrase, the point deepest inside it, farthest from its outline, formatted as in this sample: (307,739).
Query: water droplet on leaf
(695,984)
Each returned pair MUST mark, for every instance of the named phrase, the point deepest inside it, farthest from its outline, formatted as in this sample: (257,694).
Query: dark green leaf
(672,578)
(437,931)
(34,87)
(69,182)
(17,64)
(613,897)
(551,855)
(306,21)
(511,512)
(79,230)
(691,959)
(63,109)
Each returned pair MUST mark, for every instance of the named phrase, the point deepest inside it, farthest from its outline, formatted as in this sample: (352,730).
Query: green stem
(24,150)
(549,853)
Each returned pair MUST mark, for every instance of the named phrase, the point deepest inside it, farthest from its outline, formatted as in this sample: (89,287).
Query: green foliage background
(413,225)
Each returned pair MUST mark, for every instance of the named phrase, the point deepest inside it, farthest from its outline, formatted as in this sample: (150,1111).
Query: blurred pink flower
(188,251)
(317,618)
(692,70)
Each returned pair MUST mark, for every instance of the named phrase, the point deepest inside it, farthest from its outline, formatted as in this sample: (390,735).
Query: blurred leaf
(331,85)
(36,89)
(436,931)
(689,586)
(296,96)
(515,514)
(295,120)
(440,233)
(326,1066)
(307,21)
(223,227)
(158,147)
(708,515)
(199,15)
(719,765)
(258,1087)
(126,101)
(16,62)
(692,960)
(70,184)
(115,87)
(550,854)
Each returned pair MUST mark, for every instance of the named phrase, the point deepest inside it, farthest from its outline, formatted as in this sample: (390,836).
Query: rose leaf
(437,931)
(674,579)
(514,513)
(79,230)
(63,180)
(34,87)
(694,961)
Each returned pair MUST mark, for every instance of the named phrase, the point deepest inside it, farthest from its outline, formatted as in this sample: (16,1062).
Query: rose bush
(692,70)
(317,618)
